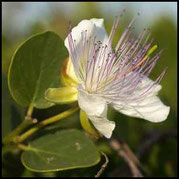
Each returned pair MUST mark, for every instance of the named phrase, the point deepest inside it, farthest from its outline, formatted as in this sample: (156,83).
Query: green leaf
(63,95)
(66,149)
(35,67)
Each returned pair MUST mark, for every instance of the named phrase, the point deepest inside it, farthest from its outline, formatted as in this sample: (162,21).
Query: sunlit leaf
(35,67)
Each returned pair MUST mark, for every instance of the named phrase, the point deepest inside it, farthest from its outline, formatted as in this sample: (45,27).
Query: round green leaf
(35,67)
(66,149)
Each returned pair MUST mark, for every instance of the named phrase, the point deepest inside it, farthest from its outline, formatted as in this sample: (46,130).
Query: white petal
(103,125)
(91,103)
(151,108)
(98,22)
(70,71)
(146,82)
(96,109)
(94,27)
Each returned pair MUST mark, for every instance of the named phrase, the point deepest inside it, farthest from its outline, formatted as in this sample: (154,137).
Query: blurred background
(155,144)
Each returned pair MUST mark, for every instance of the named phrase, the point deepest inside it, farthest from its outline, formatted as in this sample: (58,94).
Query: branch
(103,166)
(124,151)
(28,121)
(45,122)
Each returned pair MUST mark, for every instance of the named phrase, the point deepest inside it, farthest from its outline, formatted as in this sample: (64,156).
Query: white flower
(118,77)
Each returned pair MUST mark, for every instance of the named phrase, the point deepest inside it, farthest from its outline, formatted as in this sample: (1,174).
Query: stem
(25,123)
(17,131)
(103,166)
(50,120)
(23,147)
(30,110)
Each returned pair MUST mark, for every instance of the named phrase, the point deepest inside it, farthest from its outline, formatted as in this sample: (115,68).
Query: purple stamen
(117,73)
